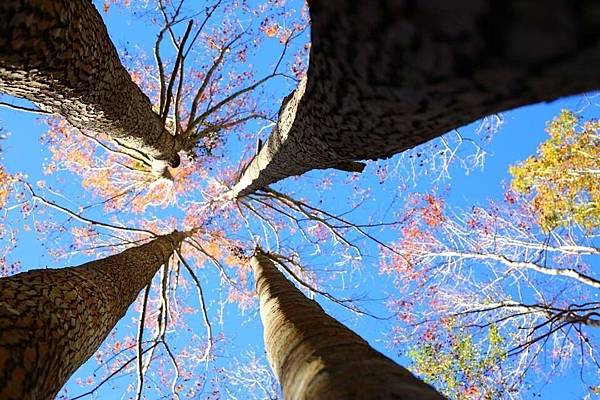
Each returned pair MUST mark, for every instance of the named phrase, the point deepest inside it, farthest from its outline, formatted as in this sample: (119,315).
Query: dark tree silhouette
(58,55)
(385,76)
(52,320)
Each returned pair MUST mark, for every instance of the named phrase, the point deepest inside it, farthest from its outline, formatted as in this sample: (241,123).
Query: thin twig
(113,374)
(25,109)
(84,219)
(140,337)
(346,303)
(202,306)
(178,61)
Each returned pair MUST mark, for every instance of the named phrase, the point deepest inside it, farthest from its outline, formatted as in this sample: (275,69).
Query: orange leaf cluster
(6,181)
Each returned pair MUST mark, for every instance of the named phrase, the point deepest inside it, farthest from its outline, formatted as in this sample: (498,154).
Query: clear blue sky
(522,131)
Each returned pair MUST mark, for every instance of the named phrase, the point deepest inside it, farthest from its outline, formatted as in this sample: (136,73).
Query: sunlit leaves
(462,366)
(6,181)
(563,179)
(271,30)
(489,266)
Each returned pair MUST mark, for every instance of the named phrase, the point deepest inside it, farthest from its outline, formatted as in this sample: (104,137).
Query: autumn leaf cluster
(563,177)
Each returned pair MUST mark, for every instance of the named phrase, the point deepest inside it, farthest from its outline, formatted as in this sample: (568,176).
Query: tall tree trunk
(316,357)
(57,53)
(387,75)
(52,320)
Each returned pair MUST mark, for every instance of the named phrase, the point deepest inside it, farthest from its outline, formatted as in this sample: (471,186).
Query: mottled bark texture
(387,75)
(52,320)
(57,53)
(316,357)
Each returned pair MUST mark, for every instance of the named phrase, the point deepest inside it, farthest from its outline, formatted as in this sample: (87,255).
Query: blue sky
(519,136)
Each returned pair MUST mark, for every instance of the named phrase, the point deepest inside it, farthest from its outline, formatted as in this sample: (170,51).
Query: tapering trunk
(385,76)
(57,53)
(316,357)
(52,320)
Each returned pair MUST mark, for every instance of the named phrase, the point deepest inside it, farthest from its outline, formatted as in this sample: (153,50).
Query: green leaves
(461,365)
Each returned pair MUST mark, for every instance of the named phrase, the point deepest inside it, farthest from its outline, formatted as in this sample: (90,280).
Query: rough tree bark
(57,53)
(316,357)
(52,320)
(387,75)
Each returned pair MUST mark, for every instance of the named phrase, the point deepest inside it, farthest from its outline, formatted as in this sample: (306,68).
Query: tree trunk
(385,76)
(57,53)
(52,320)
(316,357)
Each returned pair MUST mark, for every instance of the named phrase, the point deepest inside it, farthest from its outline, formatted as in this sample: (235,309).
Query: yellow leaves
(158,193)
(95,180)
(6,181)
(3,187)
(458,362)
(232,260)
(563,177)
(122,180)
(213,249)
(272,30)
(68,148)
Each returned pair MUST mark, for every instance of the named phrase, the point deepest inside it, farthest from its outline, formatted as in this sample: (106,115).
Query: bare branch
(84,219)
(567,272)
(202,305)
(113,374)
(111,150)
(205,82)
(195,244)
(140,337)
(176,70)
(25,109)
(346,303)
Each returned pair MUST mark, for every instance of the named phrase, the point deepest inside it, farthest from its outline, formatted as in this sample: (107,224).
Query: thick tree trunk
(316,357)
(57,53)
(52,320)
(387,75)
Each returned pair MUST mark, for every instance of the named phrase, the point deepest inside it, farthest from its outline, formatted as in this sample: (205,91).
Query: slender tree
(386,76)
(52,320)
(316,357)
(58,54)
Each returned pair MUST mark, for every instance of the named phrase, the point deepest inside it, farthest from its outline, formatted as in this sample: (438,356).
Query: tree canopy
(562,177)
(484,291)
